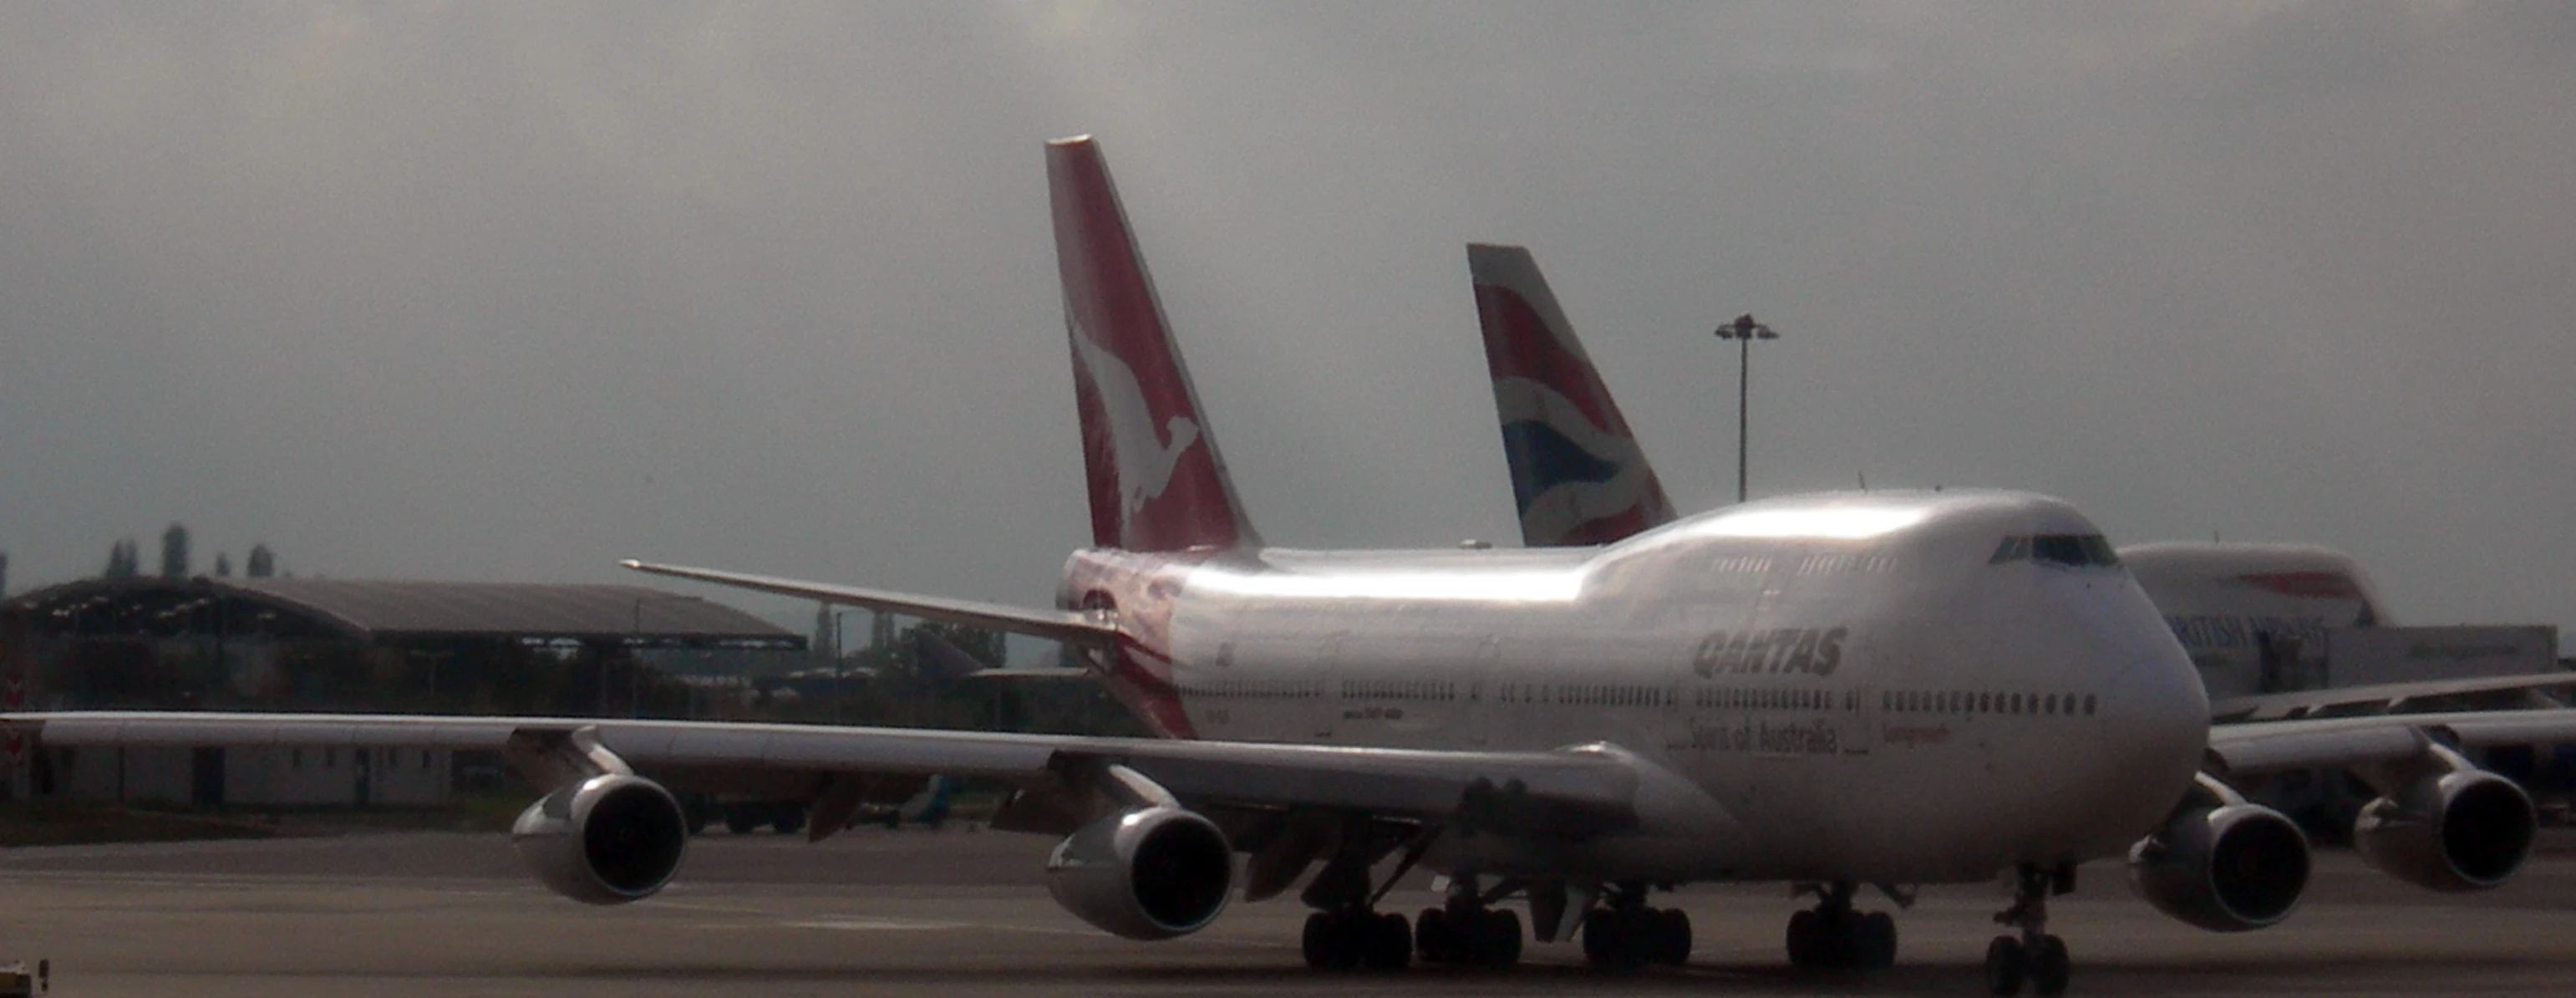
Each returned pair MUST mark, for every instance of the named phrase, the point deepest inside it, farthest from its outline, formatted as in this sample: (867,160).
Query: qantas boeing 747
(1838,692)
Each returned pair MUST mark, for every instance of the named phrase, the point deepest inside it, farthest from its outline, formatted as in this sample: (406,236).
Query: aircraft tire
(1808,946)
(1672,935)
(1500,936)
(1435,937)
(1325,943)
(2049,967)
(2006,965)
(1390,941)
(1600,936)
(1877,949)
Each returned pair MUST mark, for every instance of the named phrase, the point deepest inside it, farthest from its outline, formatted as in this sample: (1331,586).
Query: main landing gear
(2034,956)
(1625,934)
(1353,938)
(1831,934)
(1348,932)
(1465,932)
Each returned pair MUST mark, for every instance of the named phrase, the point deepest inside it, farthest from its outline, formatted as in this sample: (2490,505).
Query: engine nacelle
(2230,868)
(609,839)
(2466,830)
(1149,873)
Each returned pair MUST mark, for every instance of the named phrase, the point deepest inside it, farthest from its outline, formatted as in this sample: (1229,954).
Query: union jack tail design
(1156,481)
(1577,472)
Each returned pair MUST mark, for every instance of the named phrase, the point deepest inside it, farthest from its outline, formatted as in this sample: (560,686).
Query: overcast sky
(510,291)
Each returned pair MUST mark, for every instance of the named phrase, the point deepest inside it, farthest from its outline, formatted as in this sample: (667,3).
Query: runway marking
(721,909)
(875,924)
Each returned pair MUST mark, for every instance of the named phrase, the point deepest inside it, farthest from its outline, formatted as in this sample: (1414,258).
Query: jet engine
(1147,873)
(2465,830)
(2228,868)
(609,839)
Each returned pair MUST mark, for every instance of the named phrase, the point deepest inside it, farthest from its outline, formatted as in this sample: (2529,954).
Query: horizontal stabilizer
(1071,626)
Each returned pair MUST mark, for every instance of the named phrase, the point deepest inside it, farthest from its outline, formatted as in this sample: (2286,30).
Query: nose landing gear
(1831,934)
(2033,956)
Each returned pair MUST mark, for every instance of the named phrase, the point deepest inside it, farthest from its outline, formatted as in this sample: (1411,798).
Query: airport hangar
(341,645)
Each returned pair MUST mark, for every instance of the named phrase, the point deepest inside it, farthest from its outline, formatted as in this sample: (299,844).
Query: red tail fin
(1157,483)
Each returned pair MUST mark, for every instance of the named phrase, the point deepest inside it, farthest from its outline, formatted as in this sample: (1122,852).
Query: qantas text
(1810,650)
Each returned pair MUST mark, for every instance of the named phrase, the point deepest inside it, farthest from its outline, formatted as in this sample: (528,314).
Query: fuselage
(1903,687)
(2225,601)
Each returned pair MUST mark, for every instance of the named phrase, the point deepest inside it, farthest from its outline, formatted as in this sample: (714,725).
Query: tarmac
(965,913)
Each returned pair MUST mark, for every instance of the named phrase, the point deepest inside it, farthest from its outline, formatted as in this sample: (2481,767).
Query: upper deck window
(2056,549)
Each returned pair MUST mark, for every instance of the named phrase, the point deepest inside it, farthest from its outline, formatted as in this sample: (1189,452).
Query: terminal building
(331,645)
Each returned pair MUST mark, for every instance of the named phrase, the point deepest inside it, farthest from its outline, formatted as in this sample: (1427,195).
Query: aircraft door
(1327,679)
(1481,684)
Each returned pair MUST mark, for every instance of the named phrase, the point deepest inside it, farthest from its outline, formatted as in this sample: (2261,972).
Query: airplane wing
(1571,792)
(2384,698)
(2268,746)
(1071,626)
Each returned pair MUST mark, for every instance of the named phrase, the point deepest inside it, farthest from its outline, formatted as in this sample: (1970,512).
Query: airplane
(1579,477)
(1836,691)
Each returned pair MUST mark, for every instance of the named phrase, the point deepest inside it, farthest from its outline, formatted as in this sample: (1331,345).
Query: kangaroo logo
(1145,461)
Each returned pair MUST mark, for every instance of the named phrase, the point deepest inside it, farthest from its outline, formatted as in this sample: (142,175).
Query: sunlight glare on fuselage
(1464,585)
(1844,523)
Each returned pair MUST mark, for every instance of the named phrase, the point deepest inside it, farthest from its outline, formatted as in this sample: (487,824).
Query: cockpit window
(2056,549)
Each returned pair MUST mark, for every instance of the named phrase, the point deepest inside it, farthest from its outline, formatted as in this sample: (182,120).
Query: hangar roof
(372,610)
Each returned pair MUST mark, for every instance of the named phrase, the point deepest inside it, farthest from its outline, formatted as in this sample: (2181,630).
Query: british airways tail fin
(1157,483)
(1578,475)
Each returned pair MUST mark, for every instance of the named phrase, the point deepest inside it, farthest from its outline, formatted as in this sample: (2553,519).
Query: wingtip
(633,563)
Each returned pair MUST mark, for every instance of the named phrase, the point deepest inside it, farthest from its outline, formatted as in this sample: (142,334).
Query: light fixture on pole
(1744,330)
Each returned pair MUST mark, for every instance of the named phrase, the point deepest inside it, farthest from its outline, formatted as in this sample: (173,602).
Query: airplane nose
(2154,729)
(2153,714)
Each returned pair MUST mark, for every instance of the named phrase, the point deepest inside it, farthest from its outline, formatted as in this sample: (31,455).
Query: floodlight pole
(1744,330)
